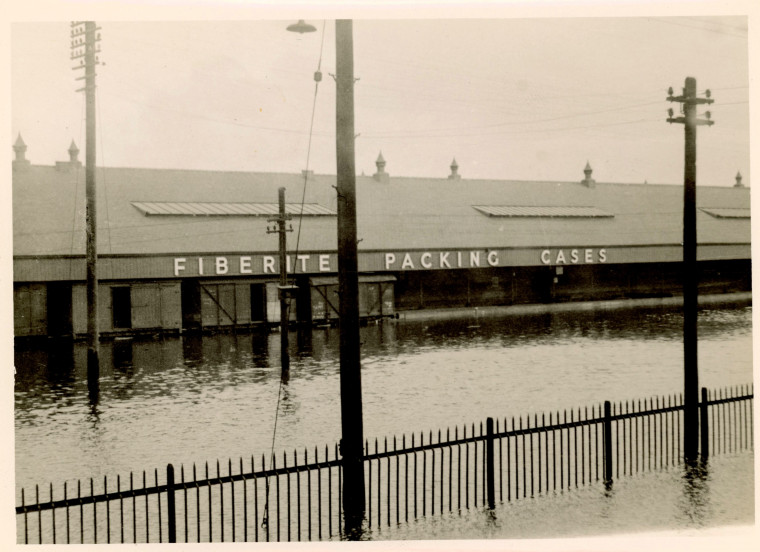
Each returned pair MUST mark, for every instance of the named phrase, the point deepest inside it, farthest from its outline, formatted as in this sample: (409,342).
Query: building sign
(440,259)
(236,265)
(136,267)
(573,256)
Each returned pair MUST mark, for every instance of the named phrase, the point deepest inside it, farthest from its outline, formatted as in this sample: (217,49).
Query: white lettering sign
(179,264)
(443,260)
(303,259)
(268,262)
(324,263)
(560,256)
(245,265)
(221,265)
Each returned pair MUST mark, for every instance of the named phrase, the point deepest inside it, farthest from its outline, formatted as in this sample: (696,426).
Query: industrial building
(182,250)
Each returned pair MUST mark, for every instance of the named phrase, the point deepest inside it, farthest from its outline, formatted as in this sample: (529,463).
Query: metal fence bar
(645,437)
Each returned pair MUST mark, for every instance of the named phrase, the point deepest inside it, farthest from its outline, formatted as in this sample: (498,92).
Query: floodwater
(202,398)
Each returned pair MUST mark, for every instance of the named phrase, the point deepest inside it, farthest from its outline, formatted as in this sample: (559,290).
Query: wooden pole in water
(283,290)
(84,38)
(352,442)
(689,266)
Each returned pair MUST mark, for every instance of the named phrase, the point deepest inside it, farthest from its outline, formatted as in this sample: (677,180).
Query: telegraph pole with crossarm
(689,102)
(283,289)
(84,38)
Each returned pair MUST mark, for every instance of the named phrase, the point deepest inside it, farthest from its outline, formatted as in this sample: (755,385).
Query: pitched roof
(402,214)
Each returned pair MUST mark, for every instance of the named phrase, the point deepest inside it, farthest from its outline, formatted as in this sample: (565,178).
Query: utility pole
(352,443)
(84,39)
(283,289)
(689,119)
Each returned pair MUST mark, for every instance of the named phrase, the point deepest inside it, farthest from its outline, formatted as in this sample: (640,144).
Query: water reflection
(695,502)
(197,397)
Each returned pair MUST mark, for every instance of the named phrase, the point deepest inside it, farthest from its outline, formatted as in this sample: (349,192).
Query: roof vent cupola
(454,170)
(739,183)
(380,175)
(73,153)
(73,159)
(19,148)
(588,181)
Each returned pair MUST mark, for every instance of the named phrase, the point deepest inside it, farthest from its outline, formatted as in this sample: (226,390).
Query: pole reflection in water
(695,503)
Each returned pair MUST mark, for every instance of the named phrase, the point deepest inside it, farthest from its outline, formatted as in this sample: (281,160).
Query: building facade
(189,250)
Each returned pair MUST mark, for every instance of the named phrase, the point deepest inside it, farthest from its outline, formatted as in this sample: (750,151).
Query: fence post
(489,465)
(171,507)
(607,444)
(704,427)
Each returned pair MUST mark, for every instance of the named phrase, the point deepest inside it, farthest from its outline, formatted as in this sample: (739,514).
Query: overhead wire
(317,79)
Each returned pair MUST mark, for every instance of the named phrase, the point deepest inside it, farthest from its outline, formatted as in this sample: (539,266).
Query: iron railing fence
(299,497)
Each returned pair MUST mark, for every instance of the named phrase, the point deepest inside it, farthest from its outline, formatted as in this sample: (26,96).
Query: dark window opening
(191,304)
(59,308)
(258,303)
(121,298)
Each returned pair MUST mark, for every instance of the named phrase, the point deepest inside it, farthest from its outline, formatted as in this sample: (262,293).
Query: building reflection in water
(260,348)
(192,349)
(122,356)
(60,364)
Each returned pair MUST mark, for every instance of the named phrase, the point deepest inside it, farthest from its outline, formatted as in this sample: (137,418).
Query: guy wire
(265,519)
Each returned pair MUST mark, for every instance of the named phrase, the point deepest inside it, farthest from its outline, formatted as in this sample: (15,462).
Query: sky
(508,98)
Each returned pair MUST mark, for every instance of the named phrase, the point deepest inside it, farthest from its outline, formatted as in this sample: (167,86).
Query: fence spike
(316,454)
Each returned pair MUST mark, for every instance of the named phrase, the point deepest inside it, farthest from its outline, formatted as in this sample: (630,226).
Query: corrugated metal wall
(225,304)
(30,309)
